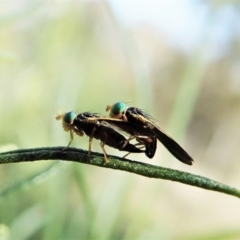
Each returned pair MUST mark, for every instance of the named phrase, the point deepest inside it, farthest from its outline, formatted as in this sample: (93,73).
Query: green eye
(69,117)
(118,108)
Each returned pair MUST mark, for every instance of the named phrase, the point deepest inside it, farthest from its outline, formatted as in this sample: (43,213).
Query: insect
(89,124)
(140,125)
(142,137)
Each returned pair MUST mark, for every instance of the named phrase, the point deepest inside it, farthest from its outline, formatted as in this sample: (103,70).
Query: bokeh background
(177,60)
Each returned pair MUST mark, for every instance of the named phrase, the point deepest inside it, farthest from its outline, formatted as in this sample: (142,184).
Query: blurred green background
(183,69)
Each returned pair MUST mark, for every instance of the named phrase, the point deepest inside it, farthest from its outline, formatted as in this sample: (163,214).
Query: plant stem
(147,170)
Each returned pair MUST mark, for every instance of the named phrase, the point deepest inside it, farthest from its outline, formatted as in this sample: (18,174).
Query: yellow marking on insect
(108,108)
(145,121)
(92,120)
(59,117)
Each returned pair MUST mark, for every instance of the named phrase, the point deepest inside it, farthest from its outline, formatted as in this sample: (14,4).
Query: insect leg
(71,139)
(138,138)
(90,141)
(104,151)
(140,142)
(128,140)
(137,144)
(124,118)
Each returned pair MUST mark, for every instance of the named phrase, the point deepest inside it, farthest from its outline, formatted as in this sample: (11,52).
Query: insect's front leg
(124,117)
(71,139)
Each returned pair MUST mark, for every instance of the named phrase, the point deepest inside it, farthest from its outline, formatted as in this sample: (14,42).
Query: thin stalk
(96,159)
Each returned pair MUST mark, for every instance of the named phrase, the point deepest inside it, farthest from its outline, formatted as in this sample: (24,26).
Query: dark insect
(139,124)
(89,124)
(142,136)
(149,143)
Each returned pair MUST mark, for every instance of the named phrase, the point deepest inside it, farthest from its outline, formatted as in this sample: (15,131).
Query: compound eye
(69,117)
(118,108)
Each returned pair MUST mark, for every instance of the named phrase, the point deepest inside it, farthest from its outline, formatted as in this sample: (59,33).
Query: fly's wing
(138,111)
(128,127)
(173,147)
(110,122)
(87,116)
(133,129)
(148,128)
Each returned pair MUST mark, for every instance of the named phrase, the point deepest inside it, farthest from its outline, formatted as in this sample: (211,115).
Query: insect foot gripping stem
(104,152)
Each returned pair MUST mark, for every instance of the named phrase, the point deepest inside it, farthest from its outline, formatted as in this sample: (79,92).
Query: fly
(89,124)
(140,125)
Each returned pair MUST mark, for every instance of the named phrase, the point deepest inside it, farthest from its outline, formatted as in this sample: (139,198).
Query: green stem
(147,170)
